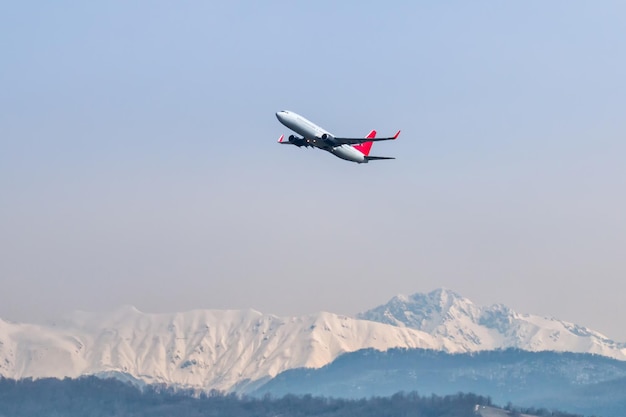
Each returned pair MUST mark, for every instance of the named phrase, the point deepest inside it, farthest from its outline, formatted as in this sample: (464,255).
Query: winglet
(280,139)
(396,135)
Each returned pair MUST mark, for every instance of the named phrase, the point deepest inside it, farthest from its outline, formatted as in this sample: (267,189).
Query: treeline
(91,396)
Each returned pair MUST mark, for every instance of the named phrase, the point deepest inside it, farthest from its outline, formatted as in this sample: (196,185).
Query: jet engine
(297,141)
(328,139)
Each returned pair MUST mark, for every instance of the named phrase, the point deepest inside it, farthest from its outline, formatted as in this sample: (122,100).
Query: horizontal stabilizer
(378,158)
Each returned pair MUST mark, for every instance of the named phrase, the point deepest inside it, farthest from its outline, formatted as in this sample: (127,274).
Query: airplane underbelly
(348,153)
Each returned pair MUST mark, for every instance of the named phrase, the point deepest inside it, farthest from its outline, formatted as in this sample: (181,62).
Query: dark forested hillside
(575,382)
(95,397)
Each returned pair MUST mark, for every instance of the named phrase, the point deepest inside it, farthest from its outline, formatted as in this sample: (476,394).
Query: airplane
(351,149)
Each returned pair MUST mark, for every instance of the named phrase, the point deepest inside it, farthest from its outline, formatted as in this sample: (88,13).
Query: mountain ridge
(576,382)
(241,349)
(444,313)
(206,349)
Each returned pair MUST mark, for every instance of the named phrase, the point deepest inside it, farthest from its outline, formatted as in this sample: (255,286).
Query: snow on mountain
(448,316)
(203,348)
(241,349)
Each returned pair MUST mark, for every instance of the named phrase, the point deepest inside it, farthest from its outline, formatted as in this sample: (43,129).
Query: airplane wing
(356,141)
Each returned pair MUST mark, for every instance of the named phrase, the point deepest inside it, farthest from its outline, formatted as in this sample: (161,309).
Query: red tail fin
(365,147)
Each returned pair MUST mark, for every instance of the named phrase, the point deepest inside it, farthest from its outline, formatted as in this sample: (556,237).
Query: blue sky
(138,162)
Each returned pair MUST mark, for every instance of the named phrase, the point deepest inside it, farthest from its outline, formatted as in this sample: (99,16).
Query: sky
(139,164)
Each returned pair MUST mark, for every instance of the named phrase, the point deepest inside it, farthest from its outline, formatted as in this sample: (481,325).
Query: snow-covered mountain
(239,350)
(449,316)
(204,348)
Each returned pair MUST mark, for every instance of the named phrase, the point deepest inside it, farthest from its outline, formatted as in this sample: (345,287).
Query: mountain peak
(440,295)
(444,293)
(422,311)
(442,298)
(442,313)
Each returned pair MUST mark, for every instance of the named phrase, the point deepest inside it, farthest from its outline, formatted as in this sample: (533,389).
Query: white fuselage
(312,134)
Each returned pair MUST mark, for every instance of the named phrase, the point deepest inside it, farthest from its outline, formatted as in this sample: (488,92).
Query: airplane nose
(280,115)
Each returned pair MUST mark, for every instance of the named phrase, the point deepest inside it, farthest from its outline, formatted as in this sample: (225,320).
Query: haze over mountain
(242,349)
